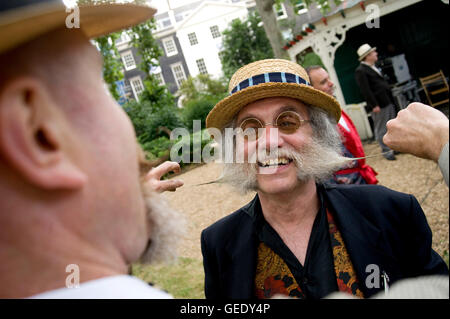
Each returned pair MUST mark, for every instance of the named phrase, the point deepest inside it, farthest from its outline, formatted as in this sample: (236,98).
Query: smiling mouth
(282,161)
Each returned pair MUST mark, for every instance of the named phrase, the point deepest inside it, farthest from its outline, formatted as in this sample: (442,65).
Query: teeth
(272,162)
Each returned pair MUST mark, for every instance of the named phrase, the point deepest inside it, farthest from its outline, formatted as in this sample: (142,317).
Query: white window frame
(283,10)
(133,87)
(201,65)
(301,7)
(160,23)
(177,81)
(194,38)
(215,33)
(159,77)
(165,41)
(128,53)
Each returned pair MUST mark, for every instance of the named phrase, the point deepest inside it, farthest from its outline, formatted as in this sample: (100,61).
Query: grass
(445,257)
(182,279)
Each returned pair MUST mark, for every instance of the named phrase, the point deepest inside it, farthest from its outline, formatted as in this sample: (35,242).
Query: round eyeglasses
(288,122)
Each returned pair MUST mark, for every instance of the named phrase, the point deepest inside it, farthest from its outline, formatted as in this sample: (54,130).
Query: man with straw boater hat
(377,93)
(74,211)
(299,237)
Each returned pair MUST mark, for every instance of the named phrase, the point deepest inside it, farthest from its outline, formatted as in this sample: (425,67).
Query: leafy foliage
(202,85)
(112,65)
(244,42)
(198,109)
(151,122)
(309,59)
(158,147)
(149,50)
(155,114)
(199,95)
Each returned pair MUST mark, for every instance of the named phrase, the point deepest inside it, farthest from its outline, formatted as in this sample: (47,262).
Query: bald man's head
(68,156)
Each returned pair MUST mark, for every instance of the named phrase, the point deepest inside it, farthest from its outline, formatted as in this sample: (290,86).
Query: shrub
(163,119)
(202,85)
(188,143)
(198,110)
(158,147)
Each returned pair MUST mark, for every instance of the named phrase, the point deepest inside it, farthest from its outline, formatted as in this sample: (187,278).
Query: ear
(34,136)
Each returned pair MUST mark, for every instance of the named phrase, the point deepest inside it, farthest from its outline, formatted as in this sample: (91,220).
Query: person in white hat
(74,210)
(377,93)
(301,237)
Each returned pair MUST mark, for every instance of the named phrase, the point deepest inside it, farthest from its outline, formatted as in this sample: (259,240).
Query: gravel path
(205,204)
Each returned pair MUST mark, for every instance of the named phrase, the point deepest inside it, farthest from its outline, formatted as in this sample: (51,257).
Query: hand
(419,130)
(153,178)
(376,109)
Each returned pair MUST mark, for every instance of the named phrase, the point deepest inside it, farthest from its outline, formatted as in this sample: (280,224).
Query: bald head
(68,166)
(320,79)
(58,59)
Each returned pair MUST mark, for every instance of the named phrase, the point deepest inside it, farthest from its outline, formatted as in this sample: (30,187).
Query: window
(127,85)
(280,11)
(137,86)
(178,73)
(192,38)
(159,78)
(128,60)
(300,7)
(201,66)
(169,46)
(215,31)
(163,23)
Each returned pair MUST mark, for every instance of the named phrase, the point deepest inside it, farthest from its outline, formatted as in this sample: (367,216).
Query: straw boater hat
(364,50)
(23,20)
(269,78)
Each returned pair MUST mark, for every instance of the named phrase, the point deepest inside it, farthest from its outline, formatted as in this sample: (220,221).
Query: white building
(200,34)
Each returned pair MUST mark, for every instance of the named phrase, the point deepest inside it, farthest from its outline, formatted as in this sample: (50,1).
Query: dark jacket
(373,87)
(379,227)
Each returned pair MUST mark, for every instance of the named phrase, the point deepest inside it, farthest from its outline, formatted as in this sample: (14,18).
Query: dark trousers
(379,121)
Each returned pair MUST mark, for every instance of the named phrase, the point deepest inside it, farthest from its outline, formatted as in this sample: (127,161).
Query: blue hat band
(272,77)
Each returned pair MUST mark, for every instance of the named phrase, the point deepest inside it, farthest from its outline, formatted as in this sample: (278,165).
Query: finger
(387,140)
(162,169)
(169,185)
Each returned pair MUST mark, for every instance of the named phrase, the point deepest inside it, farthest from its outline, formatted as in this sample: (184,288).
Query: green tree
(244,42)
(269,19)
(309,58)
(198,109)
(112,65)
(151,122)
(199,95)
(147,47)
(202,85)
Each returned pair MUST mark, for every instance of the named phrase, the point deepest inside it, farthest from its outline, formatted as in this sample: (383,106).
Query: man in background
(377,93)
(357,172)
